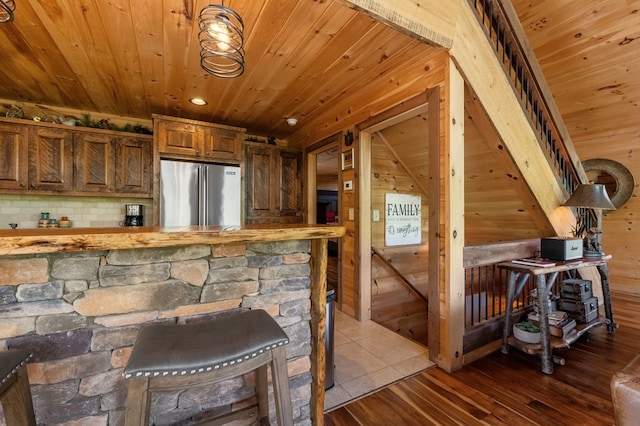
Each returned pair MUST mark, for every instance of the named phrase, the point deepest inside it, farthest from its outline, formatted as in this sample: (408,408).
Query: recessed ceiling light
(198,101)
(292,121)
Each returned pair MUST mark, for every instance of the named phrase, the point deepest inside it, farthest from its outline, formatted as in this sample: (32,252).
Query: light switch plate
(351,214)
(348,185)
(376,215)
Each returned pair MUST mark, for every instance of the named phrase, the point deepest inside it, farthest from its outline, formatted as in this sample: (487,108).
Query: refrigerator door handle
(202,190)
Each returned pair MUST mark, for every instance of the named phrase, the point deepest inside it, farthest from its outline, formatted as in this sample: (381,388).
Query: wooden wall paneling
(495,191)
(620,228)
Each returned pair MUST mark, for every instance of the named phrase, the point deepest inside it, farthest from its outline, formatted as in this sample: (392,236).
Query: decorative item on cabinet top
(40,113)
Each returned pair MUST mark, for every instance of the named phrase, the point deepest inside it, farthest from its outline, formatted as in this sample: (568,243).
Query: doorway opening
(323,200)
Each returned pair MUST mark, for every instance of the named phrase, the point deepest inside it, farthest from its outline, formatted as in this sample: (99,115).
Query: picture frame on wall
(347,159)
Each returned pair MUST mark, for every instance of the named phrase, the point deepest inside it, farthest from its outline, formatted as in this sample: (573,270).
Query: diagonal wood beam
(432,21)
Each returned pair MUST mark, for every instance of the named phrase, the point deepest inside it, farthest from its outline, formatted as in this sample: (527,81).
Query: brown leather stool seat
(179,356)
(15,392)
(625,393)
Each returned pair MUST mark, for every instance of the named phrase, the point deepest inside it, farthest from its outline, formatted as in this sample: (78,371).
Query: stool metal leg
(138,403)
(280,379)
(17,403)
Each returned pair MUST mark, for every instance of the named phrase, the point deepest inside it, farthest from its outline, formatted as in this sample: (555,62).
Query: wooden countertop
(50,240)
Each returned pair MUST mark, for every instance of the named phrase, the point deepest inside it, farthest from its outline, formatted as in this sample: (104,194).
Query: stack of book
(559,322)
(535,261)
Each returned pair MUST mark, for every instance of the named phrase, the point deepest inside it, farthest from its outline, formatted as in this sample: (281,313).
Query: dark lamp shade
(592,196)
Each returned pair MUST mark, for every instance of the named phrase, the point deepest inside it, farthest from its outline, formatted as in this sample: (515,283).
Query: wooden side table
(518,276)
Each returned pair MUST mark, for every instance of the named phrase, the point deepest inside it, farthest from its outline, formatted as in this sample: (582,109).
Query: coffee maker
(134,215)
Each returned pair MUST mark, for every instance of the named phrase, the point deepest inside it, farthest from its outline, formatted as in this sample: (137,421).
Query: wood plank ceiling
(134,58)
(312,60)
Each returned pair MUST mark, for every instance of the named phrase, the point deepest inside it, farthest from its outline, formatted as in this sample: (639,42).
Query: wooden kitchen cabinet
(94,160)
(50,159)
(14,156)
(196,140)
(134,165)
(273,180)
(112,164)
(47,158)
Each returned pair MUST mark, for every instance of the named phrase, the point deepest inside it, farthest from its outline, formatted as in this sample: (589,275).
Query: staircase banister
(516,27)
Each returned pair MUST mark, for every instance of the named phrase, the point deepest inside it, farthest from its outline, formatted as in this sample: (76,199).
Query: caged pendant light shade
(221,41)
(7,8)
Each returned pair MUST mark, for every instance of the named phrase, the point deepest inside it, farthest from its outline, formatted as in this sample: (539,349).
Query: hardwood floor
(510,389)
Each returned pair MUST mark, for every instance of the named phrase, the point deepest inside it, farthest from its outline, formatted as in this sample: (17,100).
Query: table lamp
(590,196)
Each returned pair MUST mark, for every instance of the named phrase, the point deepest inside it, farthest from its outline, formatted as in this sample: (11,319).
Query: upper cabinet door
(134,162)
(221,143)
(181,138)
(51,159)
(94,158)
(176,137)
(14,157)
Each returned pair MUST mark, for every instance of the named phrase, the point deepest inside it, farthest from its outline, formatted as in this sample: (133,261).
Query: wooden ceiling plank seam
(117,14)
(323,85)
(74,45)
(330,57)
(269,23)
(307,85)
(31,77)
(344,88)
(218,90)
(85,30)
(148,32)
(177,43)
(326,23)
(360,106)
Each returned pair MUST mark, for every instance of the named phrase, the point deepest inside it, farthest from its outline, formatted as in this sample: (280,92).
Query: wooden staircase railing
(497,22)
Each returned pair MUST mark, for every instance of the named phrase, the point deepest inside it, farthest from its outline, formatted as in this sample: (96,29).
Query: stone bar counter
(76,299)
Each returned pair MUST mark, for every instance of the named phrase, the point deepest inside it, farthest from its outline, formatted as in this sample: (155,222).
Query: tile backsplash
(82,211)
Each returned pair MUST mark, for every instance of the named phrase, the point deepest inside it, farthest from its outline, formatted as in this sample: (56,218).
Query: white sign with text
(403,219)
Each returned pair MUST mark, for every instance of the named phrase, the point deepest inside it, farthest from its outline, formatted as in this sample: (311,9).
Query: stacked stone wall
(79,314)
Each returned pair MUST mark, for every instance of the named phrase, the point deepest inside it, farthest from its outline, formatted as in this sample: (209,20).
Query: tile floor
(367,357)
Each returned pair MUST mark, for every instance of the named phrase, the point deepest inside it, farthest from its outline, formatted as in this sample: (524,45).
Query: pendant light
(7,7)
(221,41)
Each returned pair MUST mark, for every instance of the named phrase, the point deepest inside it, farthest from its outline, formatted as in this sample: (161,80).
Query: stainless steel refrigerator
(199,194)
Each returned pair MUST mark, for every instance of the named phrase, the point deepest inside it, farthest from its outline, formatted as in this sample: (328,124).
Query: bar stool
(15,392)
(169,357)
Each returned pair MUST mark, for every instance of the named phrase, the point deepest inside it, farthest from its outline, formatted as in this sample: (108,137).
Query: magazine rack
(517,277)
